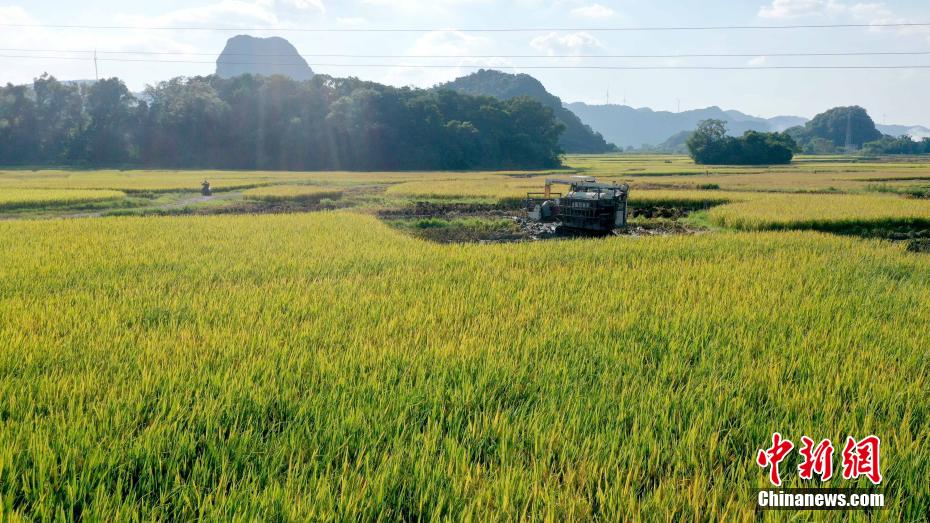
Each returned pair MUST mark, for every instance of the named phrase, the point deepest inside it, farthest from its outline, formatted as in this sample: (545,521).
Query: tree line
(848,129)
(710,145)
(257,122)
(900,145)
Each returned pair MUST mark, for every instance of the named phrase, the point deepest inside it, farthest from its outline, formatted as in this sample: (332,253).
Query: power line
(473,30)
(465,66)
(528,56)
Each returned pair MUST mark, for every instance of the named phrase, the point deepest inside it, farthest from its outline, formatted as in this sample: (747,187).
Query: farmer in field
(206,189)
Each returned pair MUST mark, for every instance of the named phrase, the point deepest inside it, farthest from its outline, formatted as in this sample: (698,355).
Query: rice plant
(283,193)
(11,199)
(822,211)
(327,367)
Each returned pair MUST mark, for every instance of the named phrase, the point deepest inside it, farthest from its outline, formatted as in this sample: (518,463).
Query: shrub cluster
(710,145)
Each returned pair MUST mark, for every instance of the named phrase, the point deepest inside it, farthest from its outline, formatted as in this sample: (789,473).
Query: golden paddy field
(327,366)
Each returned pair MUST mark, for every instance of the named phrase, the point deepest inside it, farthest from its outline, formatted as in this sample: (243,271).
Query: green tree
(185,124)
(820,146)
(60,119)
(710,145)
(900,145)
(109,136)
(19,126)
(256,122)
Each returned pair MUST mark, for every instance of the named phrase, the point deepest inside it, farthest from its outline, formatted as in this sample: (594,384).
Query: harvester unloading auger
(588,207)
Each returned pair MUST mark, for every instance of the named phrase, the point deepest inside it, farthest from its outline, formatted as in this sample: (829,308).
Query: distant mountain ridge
(246,54)
(577,138)
(914,131)
(626,126)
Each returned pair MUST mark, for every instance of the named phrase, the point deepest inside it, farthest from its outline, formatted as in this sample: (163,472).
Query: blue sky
(895,96)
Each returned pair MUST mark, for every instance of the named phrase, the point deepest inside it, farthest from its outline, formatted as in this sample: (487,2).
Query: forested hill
(838,128)
(257,122)
(246,54)
(577,138)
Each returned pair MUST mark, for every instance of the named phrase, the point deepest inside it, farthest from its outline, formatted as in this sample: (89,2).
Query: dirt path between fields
(191,199)
(179,204)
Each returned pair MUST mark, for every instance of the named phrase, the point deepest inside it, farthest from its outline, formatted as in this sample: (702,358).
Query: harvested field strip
(12,199)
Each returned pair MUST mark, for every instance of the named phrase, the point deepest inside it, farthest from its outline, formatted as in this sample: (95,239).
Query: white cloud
(593,11)
(316,5)
(226,12)
(80,64)
(860,13)
(351,20)
(421,3)
(14,15)
(566,44)
(425,8)
(881,14)
(876,12)
(445,43)
(802,8)
(864,12)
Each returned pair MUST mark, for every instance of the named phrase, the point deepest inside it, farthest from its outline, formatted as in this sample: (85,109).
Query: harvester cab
(589,206)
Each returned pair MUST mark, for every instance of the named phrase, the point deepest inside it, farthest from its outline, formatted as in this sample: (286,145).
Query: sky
(568,36)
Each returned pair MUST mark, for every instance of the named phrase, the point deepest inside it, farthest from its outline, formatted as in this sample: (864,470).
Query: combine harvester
(588,208)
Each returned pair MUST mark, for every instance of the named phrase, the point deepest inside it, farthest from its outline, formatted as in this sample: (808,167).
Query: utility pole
(679,105)
(96,72)
(849,133)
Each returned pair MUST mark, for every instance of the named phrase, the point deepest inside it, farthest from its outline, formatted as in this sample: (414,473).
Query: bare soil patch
(489,223)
